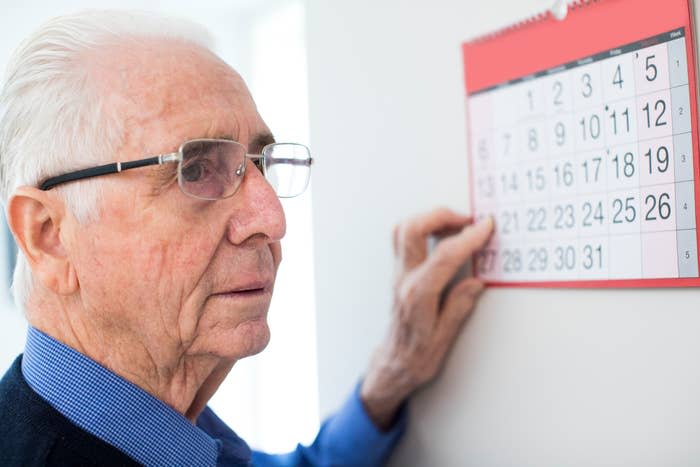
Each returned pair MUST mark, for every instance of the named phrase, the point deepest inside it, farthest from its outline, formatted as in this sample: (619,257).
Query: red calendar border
(614,23)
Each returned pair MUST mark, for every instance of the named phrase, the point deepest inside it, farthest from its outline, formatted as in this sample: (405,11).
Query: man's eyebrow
(257,142)
(227,136)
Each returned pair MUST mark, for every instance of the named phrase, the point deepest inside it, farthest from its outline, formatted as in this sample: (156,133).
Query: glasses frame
(116,167)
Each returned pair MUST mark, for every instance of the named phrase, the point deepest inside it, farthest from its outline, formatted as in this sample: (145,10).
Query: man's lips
(257,287)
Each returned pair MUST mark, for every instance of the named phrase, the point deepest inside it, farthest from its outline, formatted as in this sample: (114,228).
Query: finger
(449,231)
(458,306)
(412,236)
(451,253)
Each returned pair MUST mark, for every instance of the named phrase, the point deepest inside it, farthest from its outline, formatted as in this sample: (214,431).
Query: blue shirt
(149,431)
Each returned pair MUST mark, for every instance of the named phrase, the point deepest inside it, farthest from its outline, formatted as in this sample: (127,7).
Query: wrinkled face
(181,275)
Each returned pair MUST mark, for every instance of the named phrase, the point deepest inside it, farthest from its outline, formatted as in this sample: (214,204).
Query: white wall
(538,377)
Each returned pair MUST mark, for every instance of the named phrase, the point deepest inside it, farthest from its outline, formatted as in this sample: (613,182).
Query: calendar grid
(587,168)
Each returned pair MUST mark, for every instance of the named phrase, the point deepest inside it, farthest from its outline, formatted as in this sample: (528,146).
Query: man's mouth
(250,289)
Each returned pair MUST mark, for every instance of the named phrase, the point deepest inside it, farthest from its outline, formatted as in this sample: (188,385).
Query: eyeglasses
(214,168)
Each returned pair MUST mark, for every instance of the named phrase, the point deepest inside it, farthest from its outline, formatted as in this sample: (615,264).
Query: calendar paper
(584,147)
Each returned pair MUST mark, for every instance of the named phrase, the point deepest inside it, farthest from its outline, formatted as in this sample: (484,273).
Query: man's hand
(424,323)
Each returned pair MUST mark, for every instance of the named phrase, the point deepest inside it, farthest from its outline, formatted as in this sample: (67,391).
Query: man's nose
(257,210)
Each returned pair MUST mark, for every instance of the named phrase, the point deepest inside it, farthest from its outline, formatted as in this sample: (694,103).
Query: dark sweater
(35,434)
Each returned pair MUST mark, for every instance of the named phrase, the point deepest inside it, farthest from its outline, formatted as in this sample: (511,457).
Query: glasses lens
(211,169)
(287,168)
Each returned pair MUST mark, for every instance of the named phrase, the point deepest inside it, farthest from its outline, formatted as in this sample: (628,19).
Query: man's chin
(249,338)
(232,334)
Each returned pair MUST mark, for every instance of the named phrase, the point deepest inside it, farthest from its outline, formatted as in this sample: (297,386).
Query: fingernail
(486,221)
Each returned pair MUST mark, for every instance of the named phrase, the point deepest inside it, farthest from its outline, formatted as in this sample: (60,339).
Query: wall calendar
(583,145)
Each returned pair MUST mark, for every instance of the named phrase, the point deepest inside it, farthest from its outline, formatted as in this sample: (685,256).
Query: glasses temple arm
(106,169)
(79,175)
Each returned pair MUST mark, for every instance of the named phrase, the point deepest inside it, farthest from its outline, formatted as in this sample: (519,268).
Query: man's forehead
(143,64)
(176,87)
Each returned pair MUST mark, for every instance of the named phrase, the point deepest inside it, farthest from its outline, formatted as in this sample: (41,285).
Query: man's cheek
(182,268)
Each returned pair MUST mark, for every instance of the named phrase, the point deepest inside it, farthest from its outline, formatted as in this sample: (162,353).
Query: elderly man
(142,188)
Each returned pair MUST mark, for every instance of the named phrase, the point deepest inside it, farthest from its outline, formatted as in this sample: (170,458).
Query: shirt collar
(115,410)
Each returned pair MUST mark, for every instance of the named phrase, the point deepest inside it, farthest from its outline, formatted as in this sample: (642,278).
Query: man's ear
(35,218)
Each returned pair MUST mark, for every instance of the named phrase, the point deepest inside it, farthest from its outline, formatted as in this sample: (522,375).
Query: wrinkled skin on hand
(426,317)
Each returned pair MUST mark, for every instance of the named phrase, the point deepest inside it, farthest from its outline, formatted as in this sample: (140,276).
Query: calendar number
(487,187)
(512,260)
(510,183)
(657,114)
(651,72)
(558,89)
(624,118)
(593,213)
(587,86)
(486,260)
(536,179)
(532,142)
(624,211)
(564,174)
(483,149)
(509,222)
(624,165)
(591,169)
(537,259)
(590,127)
(560,133)
(564,217)
(506,143)
(536,220)
(592,257)
(658,207)
(617,79)
(659,161)
(565,258)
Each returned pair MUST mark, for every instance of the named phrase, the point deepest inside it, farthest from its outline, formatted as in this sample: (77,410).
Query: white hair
(53,120)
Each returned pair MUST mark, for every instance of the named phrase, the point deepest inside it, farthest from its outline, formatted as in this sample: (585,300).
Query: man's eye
(194,171)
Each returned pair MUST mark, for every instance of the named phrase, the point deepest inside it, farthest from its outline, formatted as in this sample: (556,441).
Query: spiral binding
(572,5)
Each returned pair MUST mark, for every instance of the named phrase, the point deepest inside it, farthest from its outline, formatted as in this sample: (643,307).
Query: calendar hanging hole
(559,10)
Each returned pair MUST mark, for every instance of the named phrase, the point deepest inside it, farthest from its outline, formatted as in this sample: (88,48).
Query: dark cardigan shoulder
(32,433)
